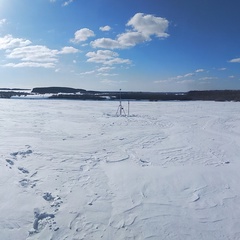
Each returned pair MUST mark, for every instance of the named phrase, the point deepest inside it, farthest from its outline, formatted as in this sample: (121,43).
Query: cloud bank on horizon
(140,48)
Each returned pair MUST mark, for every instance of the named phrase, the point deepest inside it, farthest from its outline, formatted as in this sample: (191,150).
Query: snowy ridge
(73,170)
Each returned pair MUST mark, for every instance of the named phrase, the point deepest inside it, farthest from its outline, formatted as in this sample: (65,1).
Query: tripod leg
(117,110)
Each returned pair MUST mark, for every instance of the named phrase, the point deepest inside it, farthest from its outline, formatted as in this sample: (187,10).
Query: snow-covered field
(73,170)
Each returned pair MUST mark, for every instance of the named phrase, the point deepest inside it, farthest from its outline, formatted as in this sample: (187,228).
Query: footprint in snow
(54,201)
(27,183)
(41,220)
(23,154)
(23,170)
(10,161)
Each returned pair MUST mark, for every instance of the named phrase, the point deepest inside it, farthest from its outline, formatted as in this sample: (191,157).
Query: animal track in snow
(10,161)
(48,196)
(41,220)
(55,202)
(44,219)
(23,170)
(21,153)
(27,183)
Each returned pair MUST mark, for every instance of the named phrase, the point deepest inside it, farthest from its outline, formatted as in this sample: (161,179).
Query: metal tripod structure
(120,110)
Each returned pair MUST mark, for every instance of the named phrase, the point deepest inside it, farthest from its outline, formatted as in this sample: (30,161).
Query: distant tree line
(81,94)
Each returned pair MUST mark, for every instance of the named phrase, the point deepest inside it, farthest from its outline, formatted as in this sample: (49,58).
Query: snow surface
(73,170)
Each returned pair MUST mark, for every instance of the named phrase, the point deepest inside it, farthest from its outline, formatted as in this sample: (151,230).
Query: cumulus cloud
(105,43)
(82,35)
(149,25)
(37,53)
(68,50)
(36,56)
(130,39)
(8,42)
(106,57)
(143,27)
(235,60)
(105,28)
(101,55)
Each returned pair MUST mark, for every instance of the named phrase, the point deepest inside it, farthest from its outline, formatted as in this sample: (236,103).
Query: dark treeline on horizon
(81,94)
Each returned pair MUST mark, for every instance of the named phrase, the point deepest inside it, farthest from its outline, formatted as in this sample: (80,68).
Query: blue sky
(144,45)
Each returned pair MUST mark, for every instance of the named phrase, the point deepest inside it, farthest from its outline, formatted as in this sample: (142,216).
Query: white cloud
(8,42)
(36,56)
(106,57)
(82,35)
(87,73)
(101,55)
(105,69)
(130,39)
(84,44)
(2,21)
(143,28)
(199,70)
(107,74)
(208,78)
(29,64)
(231,76)
(105,43)
(66,3)
(189,75)
(182,76)
(105,28)
(149,25)
(68,50)
(222,69)
(235,60)
(37,53)
(117,61)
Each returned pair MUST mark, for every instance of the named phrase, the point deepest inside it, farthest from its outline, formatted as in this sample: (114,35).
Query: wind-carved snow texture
(73,170)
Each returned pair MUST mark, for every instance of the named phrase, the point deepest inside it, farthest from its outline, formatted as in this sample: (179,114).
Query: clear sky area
(135,45)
